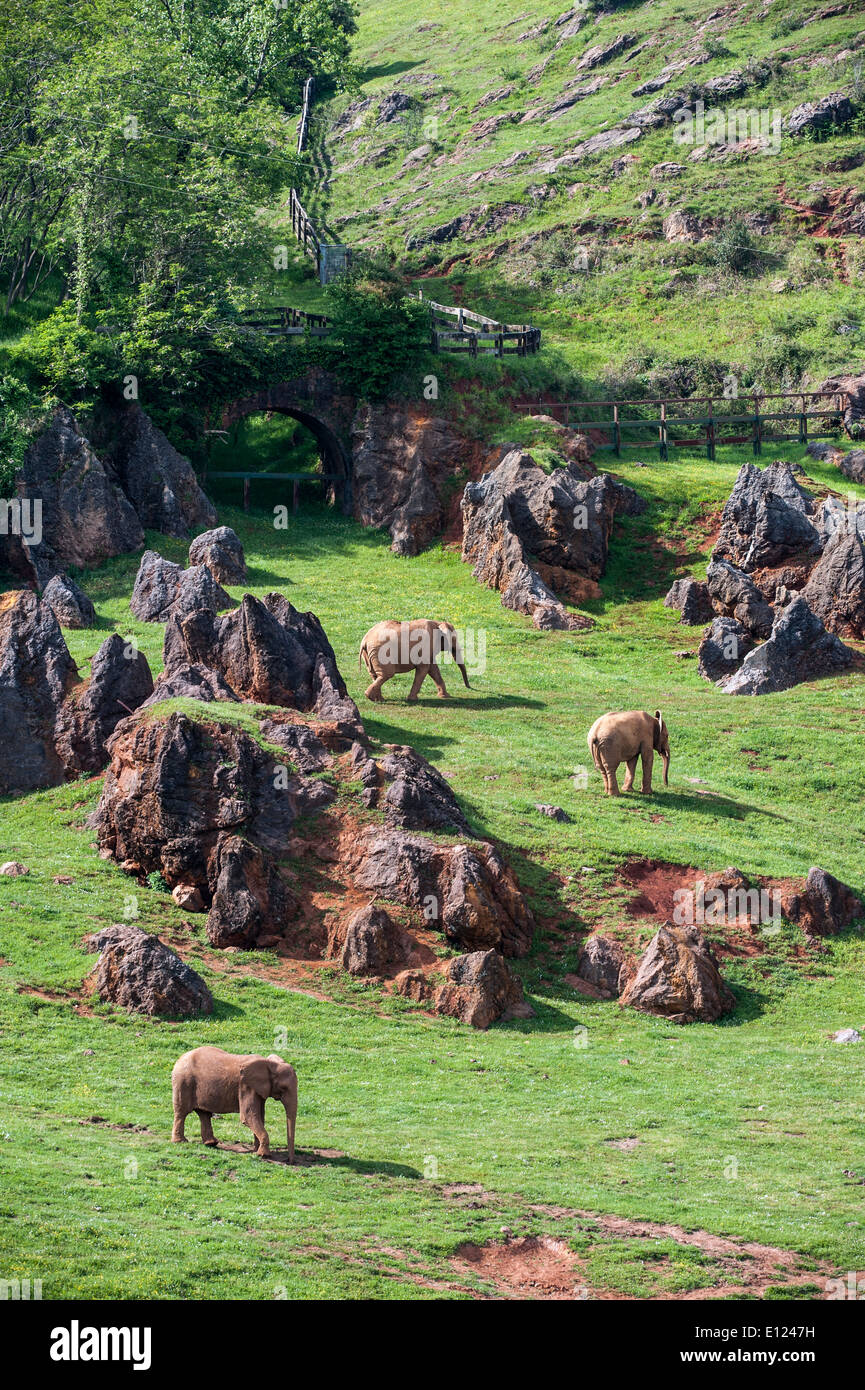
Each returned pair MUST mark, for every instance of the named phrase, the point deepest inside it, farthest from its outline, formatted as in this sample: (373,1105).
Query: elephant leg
(629,776)
(207,1135)
(177,1135)
(373,692)
(608,767)
(252,1115)
(647,756)
(438,681)
(419,677)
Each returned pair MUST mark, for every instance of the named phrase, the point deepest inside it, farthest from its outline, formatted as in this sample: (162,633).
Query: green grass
(412,1103)
(642,302)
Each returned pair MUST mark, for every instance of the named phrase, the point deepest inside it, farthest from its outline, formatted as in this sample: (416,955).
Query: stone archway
(316,400)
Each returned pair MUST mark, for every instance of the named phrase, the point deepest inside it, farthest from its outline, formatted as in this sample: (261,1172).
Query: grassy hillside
(578,247)
(417,1134)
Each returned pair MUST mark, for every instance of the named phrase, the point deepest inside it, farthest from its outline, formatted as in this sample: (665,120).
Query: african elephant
(212,1082)
(393,646)
(623,738)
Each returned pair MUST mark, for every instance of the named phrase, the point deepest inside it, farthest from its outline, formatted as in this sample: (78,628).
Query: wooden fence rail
(483,336)
(758,420)
(295,478)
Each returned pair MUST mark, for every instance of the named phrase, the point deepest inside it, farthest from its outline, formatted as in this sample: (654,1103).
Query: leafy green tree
(381,331)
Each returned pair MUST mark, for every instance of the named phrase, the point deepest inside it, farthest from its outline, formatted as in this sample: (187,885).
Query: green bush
(380,332)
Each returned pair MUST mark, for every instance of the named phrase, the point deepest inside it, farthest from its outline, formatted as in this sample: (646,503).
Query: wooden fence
(331,258)
(459,330)
(286,322)
(760,423)
(295,478)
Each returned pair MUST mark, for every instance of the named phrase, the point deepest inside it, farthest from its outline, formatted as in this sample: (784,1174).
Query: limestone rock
(799,649)
(120,681)
(36,675)
(602,964)
(371,942)
(480,989)
(678,978)
(767,519)
(68,602)
(250,900)
(691,597)
(269,653)
(734,594)
(221,552)
(835,591)
(724,647)
(85,518)
(163,590)
(824,907)
(159,482)
(465,889)
(830,112)
(402,464)
(137,972)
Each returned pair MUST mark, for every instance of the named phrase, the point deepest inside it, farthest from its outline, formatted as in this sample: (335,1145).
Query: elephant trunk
(665,759)
(290,1117)
(464,676)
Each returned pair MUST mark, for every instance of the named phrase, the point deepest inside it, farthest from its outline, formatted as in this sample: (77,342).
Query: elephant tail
(363,657)
(593,749)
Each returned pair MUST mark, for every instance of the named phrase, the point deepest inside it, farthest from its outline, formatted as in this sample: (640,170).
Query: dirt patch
(536,1267)
(657,883)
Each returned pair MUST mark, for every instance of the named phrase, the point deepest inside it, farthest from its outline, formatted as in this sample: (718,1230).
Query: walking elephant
(392,646)
(212,1082)
(623,738)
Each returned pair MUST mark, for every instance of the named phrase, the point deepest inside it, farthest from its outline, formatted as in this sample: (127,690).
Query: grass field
(418,1134)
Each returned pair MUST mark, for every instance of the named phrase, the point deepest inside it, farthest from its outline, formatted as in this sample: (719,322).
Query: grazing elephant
(392,646)
(212,1082)
(623,738)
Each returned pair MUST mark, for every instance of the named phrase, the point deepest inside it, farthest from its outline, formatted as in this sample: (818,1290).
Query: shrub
(381,333)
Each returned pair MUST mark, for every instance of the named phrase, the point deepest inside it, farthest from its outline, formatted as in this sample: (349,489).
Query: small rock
(554,812)
(221,551)
(12,869)
(69,603)
(847,1035)
(187,896)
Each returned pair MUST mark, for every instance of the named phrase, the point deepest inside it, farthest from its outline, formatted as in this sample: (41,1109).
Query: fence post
(710,431)
(246,493)
(758,440)
(295,496)
(617,432)
(803,423)
(662,432)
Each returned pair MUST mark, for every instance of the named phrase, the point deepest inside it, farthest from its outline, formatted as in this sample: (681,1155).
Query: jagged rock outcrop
(222,553)
(402,463)
(833,111)
(853,387)
(480,989)
(85,517)
(187,682)
(799,649)
(163,590)
(767,520)
(137,972)
(68,602)
(691,597)
(217,815)
(835,591)
(36,676)
(724,647)
(267,652)
(602,964)
(735,595)
(413,793)
(120,681)
(678,978)
(370,943)
(464,890)
(521,524)
(159,482)
(824,907)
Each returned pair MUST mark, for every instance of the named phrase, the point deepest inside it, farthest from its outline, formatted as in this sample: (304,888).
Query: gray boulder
(734,594)
(68,602)
(799,649)
(835,110)
(137,972)
(372,942)
(164,590)
(480,989)
(159,482)
(691,597)
(767,519)
(723,649)
(836,586)
(120,681)
(36,676)
(602,964)
(221,551)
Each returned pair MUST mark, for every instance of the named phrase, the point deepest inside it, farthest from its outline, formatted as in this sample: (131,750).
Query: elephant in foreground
(212,1082)
(392,646)
(623,738)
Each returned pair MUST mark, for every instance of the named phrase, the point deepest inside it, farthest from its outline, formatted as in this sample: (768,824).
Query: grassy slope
(624,311)
(99,1211)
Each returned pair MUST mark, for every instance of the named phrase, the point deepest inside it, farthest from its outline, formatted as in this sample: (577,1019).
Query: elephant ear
(255,1076)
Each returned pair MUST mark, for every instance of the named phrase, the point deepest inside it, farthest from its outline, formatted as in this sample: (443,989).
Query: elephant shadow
(316,1158)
